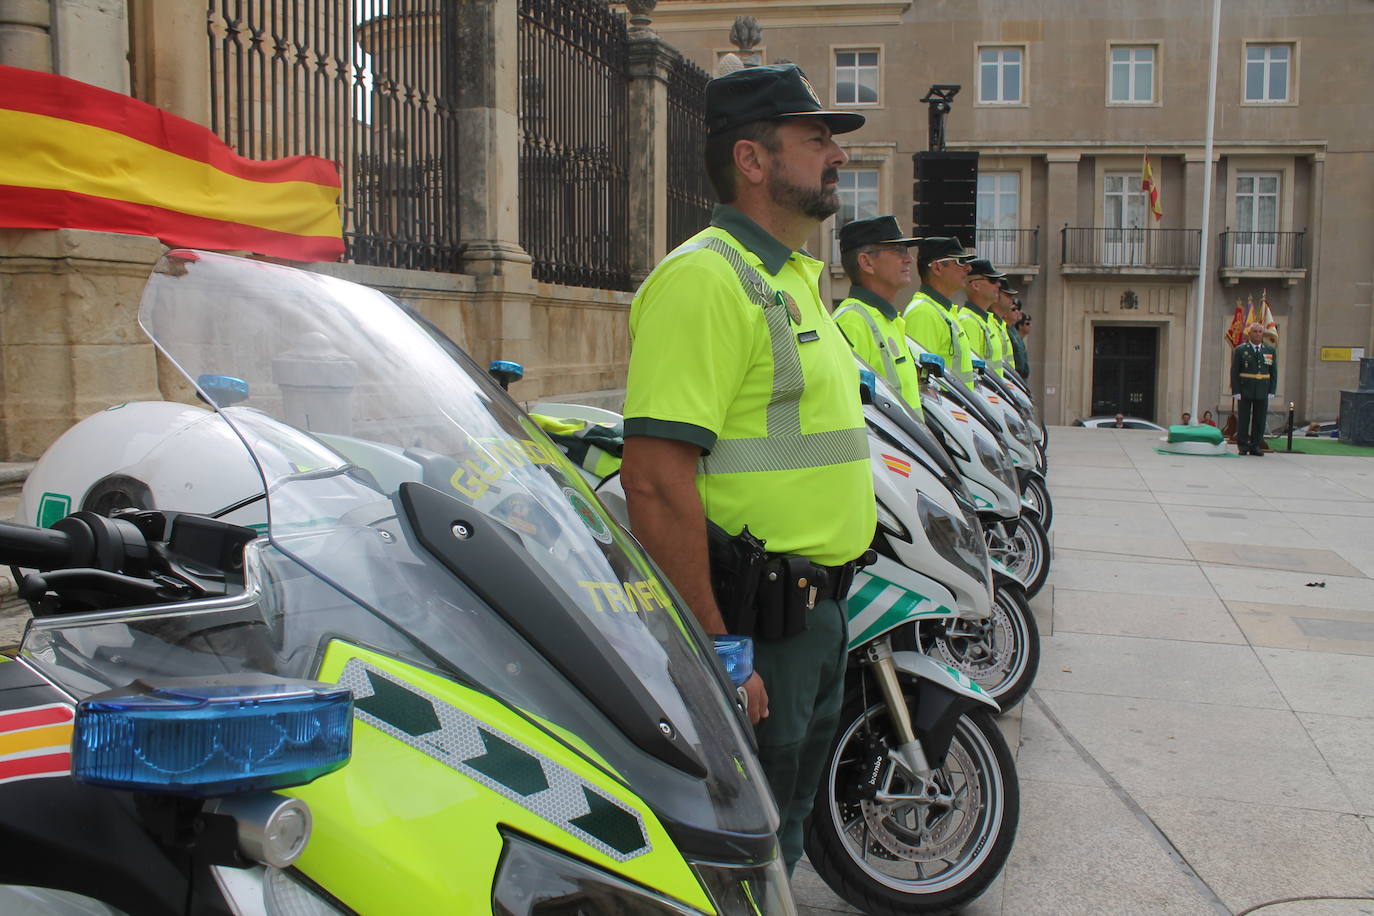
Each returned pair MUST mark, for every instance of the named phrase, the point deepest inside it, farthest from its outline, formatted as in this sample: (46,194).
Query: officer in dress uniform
(742,410)
(877,259)
(1254,378)
(932,317)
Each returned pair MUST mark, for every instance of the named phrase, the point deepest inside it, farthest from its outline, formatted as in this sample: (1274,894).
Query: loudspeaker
(946,195)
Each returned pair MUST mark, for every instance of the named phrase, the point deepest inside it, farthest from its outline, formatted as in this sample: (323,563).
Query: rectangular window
(856,77)
(1133,75)
(999,201)
(1257,218)
(1124,207)
(858,191)
(1268,73)
(999,75)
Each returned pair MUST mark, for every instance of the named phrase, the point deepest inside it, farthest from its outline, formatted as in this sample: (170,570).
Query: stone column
(25,39)
(651,60)
(90,42)
(170,51)
(486,91)
(1056,334)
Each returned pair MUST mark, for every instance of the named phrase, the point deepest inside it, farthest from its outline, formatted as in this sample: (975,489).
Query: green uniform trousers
(804,676)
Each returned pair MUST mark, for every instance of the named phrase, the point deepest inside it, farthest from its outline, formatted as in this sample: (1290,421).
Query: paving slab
(1096,859)
(1314,629)
(1070,490)
(1044,754)
(1269,586)
(1254,854)
(1356,507)
(1294,559)
(1335,906)
(1201,750)
(1325,683)
(1347,744)
(1189,619)
(1215,500)
(1065,506)
(1110,479)
(1183,580)
(1160,669)
(1234,525)
(1133,537)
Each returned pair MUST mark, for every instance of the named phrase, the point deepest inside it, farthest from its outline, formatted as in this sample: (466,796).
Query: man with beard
(742,412)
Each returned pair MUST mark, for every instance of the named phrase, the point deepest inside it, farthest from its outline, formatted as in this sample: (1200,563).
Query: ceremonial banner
(1271,327)
(1236,332)
(1147,184)
(77,156)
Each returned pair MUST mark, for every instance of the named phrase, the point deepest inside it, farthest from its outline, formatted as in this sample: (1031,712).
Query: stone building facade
(1063,99)
(69,340)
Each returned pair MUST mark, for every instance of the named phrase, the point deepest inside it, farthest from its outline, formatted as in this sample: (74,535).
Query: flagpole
(1199,309)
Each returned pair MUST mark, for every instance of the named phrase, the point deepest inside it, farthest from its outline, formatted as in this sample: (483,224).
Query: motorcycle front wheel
(1038,495)
(1026,552)
(1001,653)
(895,851)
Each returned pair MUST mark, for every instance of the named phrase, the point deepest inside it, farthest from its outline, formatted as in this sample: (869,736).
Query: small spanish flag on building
(1147,184)
(80,157)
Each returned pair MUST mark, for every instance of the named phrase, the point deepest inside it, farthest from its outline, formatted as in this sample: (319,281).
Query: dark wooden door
(1124,362)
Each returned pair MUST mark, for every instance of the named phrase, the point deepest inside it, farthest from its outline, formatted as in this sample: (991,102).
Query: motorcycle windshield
(411,507)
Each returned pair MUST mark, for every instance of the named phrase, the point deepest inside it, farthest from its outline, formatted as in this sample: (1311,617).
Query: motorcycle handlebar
(34,548)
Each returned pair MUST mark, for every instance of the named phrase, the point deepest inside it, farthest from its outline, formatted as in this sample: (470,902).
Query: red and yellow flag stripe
(36,742)
(80,157)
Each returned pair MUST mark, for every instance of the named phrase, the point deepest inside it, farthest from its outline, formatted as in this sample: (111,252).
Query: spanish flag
(1236,332)
(1147,184)
(81,157)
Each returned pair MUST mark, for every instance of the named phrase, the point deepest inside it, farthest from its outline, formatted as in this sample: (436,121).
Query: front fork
(909,754)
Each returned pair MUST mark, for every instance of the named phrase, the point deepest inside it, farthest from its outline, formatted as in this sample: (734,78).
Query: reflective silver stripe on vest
(888,364)
(787,453)
(786,447)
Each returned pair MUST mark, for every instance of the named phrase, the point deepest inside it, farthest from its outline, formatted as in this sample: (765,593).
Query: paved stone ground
(1200,739)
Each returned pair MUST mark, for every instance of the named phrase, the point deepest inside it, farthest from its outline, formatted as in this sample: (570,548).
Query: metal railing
(1168,249)
(574,145)
(1263,250)
(689,191)
(1008,247)
(362,83)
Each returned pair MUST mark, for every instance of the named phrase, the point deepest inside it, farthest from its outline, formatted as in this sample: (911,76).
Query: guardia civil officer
(876,257)
(742,411)
(932,317)
(1254,378)
(975,315)
(1000,321)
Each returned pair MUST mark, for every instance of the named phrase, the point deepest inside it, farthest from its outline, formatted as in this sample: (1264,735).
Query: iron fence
(1009,247)
(574,145)
(689,191)
(1165,249)
(1262,250)
(366,83)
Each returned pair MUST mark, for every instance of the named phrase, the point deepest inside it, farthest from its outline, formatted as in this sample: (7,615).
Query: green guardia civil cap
(767,93)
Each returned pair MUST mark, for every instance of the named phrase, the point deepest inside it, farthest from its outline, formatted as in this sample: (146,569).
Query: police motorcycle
(1015,537)
(919,804)
(1022,434)
(356,640)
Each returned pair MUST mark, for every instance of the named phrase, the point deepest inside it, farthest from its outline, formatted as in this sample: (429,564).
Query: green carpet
(1319,446)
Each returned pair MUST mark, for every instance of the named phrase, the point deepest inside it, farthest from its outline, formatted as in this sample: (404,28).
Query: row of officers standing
(743,417)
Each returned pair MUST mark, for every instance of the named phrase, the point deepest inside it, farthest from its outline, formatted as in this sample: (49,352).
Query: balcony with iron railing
(1012,251)
(1140,252)
(1263,255)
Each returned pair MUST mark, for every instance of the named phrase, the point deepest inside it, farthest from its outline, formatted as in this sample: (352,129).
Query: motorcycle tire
(1001,654)
(901,857)
(1038,495)
(1026,553)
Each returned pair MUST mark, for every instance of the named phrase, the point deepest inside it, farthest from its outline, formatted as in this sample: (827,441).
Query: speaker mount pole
(939,97)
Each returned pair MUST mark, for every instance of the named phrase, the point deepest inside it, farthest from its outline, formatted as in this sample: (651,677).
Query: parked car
(1110,422)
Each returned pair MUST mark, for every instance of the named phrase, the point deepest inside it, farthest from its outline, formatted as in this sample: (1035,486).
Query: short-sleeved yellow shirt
(880,340)
(732,350)
(931,322)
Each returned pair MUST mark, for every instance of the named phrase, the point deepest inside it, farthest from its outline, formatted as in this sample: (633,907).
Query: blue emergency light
(222,390)
(737,655)
(933,359)
(213,736)
(979,363)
